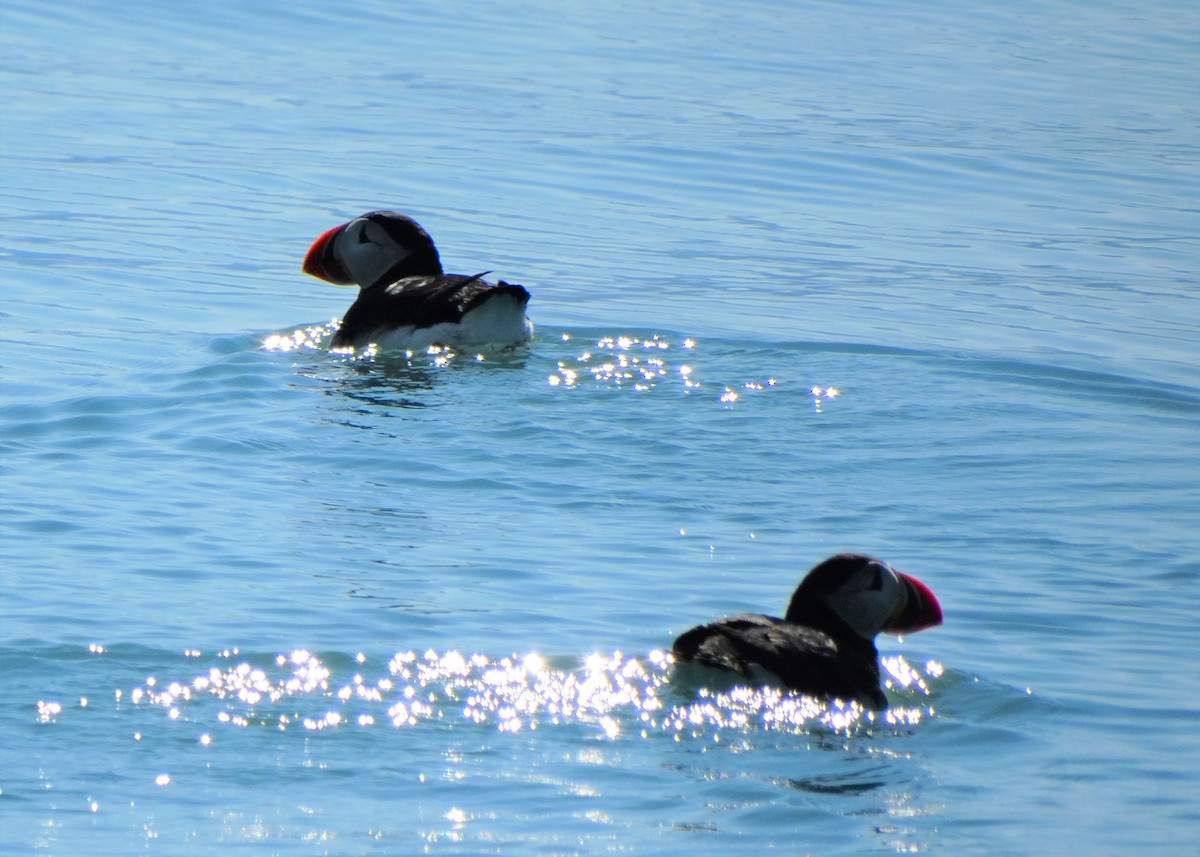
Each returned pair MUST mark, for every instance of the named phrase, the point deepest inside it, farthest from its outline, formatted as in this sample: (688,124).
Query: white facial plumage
(869,598)
(367,251)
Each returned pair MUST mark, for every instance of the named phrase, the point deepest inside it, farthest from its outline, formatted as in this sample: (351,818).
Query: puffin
(824,646)
(405,299)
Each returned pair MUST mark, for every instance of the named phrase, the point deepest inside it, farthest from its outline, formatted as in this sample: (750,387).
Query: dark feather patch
(419,302)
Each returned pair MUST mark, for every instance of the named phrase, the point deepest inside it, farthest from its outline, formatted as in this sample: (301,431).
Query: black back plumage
(803,658)
(420,301)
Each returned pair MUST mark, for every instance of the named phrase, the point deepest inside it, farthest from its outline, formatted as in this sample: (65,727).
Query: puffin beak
(322,262)
(921,609)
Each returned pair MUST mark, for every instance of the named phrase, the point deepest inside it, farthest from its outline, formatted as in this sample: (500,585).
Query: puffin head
(868,595)
(377,248)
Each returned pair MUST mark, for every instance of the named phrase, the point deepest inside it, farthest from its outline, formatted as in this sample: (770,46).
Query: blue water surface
(910,279)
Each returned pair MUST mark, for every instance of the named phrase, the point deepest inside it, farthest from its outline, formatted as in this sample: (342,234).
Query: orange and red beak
(322,262)
(921,609)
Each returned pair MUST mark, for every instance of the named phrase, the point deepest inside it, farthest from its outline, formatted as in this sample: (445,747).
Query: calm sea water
(891,277)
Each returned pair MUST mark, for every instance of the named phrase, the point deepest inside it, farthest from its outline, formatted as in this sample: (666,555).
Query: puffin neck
(416,265)
(815,613)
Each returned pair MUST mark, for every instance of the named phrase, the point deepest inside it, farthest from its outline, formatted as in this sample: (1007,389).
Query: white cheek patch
(370,261)
(867,610)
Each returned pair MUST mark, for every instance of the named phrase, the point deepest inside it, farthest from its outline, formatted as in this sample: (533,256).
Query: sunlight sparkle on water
(610,693)
(309,338)
(620,361)
(646,363)
(823,394)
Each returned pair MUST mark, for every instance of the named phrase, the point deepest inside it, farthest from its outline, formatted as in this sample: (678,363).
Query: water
(895,278)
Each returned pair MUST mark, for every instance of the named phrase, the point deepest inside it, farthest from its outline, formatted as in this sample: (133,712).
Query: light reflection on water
(635,362)
(613,694)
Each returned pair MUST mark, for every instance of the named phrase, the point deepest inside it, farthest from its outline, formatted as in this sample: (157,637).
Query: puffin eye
(876,579)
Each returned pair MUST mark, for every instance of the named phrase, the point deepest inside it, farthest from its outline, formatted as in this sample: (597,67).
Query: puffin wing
(741,642)
(422,301)
(801,657)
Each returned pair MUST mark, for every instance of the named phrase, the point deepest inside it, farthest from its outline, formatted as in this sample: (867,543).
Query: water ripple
(609,695)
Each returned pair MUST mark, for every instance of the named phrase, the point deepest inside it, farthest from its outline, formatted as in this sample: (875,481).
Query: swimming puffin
(405,300)
(825,645)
